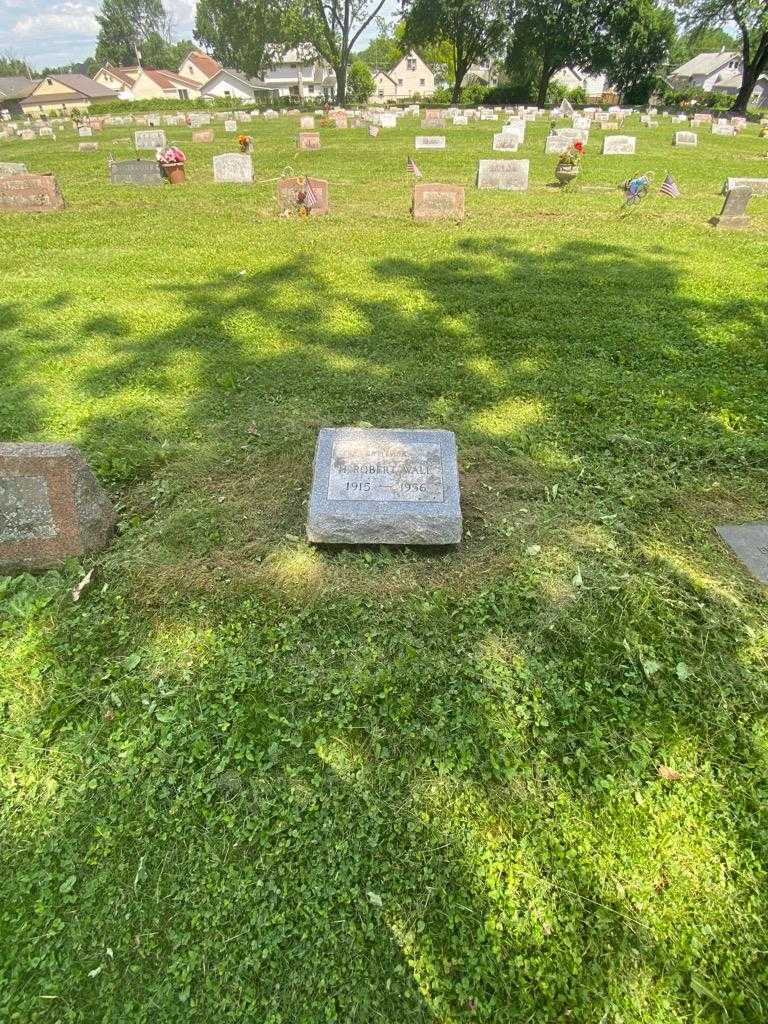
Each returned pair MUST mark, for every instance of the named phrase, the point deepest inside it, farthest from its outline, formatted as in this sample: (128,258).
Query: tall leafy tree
(631,44)
(360,84)
(700,40)
(245,34)
(751,19)
(473,28)
(383,51)
(13,66)
(553,33)
(124,28)
(333,27)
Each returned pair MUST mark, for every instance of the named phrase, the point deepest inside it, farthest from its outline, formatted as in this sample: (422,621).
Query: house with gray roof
(13,89)
(707,70)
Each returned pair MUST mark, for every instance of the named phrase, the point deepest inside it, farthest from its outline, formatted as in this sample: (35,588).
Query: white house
(483,72)
(302,74)
(411,77)
(574,78)
(234,84)
(707,69)
(199,67)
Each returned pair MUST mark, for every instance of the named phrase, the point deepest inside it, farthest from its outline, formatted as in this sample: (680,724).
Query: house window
(411,63)
(399,81)
(310,88)
(183,94)
(422,81)
(227,92)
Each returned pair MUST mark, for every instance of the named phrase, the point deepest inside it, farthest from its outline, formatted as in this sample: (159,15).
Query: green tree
(551,34)
(124,28)
(473,29)
(13,66)
(631,44)
(245,34)
(751,19)
(333,27)
(360,83)
(384,50)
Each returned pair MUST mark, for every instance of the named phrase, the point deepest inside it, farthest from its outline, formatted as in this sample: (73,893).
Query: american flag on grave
(410,164)
(669,188)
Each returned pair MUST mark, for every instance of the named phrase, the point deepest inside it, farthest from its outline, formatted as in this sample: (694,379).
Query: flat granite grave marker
(460,120)
(759,186)
(87,147)
(233,167)
(52,507)
(429,142)
(749,542)
(30,193)
(12,168)
(206,135)
(686,139)
(432,201)
(135,172)
(374,486)
(509,175)
(288,190)
(506,141)
(619,145)
(309,140)
(149,140)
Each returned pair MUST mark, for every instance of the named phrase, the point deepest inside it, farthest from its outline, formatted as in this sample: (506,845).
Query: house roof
(385,74)
(729,79)
(241,76)
(83,87)
(122,74)
(705,63)
(168,80)
(16,87)
(207,64)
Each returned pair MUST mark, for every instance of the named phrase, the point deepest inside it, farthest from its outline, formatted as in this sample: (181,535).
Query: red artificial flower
(578,146)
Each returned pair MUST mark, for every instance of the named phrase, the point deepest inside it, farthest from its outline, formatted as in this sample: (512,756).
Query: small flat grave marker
(309,140)
(12,168)
(30,193)
(508,175)
(506,141)
(149,140)
(27,135)
(619,145)
(759,186)
(430,142)
(460,120)
(206,135)
(433,201)
(135,172)
(749,542)
(385,487)
(52,507)
(234,168)
(686,139)
(87,147)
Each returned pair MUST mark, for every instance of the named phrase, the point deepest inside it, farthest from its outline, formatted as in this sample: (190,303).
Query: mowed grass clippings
(244,779)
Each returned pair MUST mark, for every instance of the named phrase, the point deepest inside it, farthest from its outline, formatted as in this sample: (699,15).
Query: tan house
(411,77)
(137,83)
(199,67)
(64,93)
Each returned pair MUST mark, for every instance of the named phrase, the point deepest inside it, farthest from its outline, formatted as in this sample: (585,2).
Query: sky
(55,32)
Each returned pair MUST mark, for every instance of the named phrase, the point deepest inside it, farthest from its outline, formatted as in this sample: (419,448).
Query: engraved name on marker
(362,471)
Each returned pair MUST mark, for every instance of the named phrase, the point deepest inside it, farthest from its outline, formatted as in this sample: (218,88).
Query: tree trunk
(751,71)
(341,83)
(546,74)
(747,86)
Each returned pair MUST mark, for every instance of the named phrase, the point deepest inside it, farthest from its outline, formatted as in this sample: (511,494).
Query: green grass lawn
(246,780)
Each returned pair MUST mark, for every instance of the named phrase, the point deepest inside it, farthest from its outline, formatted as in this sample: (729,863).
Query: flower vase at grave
(566,173)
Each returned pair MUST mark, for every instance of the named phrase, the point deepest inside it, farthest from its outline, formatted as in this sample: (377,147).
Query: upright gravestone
(230,126)
(556,144)
(433,201)
(87,147)
(723,129)
(734,212)
(149,140)
(309,140)
(460,120)
(339,117)
(85,131)
(289,192)
(52,507)
(619,145)
(30,193)
(385,487)
(135,172)
(387,120)
(307,124)
(12,168)
(27,135)
(749,542)
(205,135)
(508,175)
(430,142)
(373,131)
(234,168)
(686,139)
